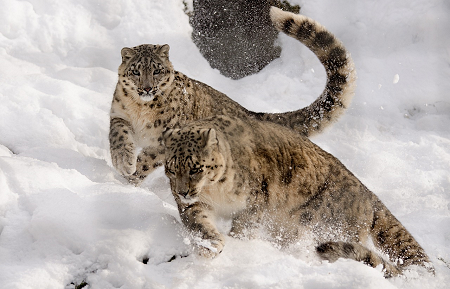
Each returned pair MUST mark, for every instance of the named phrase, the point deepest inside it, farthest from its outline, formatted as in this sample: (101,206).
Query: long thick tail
(341,74)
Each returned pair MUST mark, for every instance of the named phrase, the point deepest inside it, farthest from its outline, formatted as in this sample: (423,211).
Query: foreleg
(199,219)
(122,146)
(147,161)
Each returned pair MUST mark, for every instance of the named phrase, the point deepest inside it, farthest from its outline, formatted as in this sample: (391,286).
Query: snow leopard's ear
(209,137)
(164,50)
(167,133)
(127,53)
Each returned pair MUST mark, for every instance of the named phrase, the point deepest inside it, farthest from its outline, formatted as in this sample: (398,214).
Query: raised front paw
(124,161)
(209,248)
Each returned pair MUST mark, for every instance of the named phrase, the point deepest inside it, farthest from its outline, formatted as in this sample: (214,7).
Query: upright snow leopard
(151,96)
(262,175)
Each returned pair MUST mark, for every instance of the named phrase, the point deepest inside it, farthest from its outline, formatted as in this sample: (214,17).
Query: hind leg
(392,238)
(331,251)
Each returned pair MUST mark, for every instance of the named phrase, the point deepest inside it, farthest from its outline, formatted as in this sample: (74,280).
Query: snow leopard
(151,96)
(266,177)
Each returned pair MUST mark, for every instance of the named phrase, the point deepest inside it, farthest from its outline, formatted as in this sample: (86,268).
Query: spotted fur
(151,96)
(264,175)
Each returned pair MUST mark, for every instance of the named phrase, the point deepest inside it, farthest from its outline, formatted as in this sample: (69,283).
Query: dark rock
(236,36)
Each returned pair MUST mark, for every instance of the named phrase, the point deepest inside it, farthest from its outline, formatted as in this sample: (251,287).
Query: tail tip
(277,15)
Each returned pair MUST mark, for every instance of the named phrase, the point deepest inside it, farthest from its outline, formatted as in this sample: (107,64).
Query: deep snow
(66,216)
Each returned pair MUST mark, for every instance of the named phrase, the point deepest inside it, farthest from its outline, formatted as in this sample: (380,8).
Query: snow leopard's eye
(195,171)
(156,71)
(169,171)
(136,72)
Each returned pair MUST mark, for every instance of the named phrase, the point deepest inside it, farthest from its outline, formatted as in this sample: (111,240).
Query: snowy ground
(66,216)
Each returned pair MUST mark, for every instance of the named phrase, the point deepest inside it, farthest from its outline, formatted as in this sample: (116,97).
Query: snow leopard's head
(193,160)
(146,71)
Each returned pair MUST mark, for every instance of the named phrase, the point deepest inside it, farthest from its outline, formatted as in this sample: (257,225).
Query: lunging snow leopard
(151,96)
(265,176)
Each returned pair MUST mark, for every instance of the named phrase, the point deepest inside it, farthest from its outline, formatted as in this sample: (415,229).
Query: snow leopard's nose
(147,89)
(183,194)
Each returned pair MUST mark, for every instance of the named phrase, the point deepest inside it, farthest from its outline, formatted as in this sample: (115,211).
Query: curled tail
(341,75)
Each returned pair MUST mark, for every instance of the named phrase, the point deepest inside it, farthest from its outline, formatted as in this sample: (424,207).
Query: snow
(66,216)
